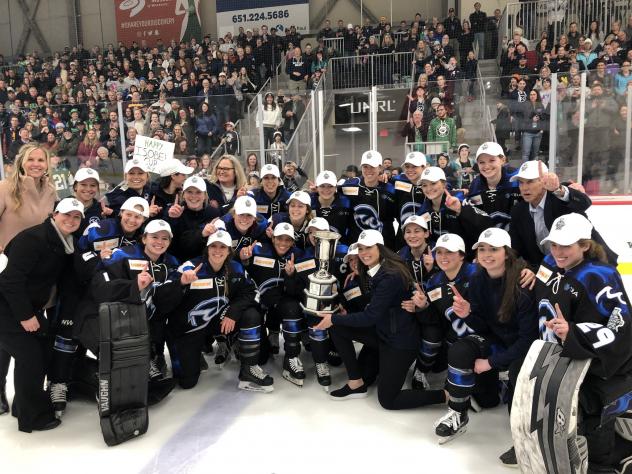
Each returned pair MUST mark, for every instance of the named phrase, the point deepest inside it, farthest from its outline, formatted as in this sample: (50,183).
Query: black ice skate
(323,376)
(293,371)
(223,354)
(420,380)
(58,393)
(451,425)
(253,379)
(273,338)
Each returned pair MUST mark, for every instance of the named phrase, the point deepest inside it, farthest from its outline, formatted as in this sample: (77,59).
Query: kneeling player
(220,299)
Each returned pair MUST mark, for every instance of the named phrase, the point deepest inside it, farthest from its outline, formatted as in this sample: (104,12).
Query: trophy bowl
(322,291)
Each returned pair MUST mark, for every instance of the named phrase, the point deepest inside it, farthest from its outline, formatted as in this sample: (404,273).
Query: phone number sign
(248,14)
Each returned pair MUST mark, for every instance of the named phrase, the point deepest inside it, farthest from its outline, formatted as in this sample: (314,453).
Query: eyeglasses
(224,169)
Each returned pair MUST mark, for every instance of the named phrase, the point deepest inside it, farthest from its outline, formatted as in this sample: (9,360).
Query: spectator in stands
(466,42)
(292,113)
(297,70)
(206,129)
(452,26)
(470,73)
(415,130)
(294,178)
(442,128)
(622,81)
(601,112)
(573,35)
(532,120)
(252,164)
(418,101)
(24,137)
(87,151)
(272,117)
(478,21)
(586,54)
(595,34)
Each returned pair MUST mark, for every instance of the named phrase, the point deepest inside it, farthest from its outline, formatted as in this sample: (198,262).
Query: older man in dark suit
(545,199)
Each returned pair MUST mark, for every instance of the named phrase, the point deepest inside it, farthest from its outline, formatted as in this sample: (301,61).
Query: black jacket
(37,263)
(522,229)
(395,327)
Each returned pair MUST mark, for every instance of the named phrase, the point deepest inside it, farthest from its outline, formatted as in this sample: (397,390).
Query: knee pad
(544,427)
(123,371)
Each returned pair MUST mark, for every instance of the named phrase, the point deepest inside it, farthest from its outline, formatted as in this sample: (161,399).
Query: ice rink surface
(217,428)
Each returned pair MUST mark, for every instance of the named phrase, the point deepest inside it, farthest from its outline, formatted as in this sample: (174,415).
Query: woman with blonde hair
(27,197)
(87,151)
(226,183)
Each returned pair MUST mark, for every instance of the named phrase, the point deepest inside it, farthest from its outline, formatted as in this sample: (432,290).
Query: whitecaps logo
(135,6)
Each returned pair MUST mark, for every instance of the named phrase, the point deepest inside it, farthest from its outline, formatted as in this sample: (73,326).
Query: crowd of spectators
(525,109)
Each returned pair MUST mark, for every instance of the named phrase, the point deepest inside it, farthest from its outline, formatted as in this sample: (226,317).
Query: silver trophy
(323,288)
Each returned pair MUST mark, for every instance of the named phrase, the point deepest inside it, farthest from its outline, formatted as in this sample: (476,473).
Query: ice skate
(4,403)
(293,371)
(451,425)
(273,338)
(253,379)
(58,393)
(323,376)
(334,359)
(223,354)
(420,380)
(154,371)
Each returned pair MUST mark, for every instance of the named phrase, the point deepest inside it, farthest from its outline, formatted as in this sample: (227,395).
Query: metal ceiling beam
(30,25)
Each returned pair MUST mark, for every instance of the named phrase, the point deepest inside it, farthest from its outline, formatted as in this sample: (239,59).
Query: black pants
(289,314)
(31,404)
(5,361)
(393,368)
(603,446)
(463,383)
(185,349)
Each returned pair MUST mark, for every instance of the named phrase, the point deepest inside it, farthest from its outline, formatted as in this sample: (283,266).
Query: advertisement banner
(153,152)
(149,20)
(279,14)
(353,107)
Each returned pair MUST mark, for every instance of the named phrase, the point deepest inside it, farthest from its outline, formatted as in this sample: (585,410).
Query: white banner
(153,152)
(279,14)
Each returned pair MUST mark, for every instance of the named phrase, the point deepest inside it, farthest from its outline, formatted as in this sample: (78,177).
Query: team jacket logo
(366,217)
(607,291)
(203,312)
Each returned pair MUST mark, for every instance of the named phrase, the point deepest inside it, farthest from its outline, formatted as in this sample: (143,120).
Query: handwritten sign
(153,152)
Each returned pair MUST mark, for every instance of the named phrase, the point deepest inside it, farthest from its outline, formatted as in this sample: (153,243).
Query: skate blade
(445,439)
(289,378)
(253,387)
(325,388)
(59,414)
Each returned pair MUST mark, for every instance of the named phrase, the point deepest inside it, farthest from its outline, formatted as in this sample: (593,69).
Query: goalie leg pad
(123,371)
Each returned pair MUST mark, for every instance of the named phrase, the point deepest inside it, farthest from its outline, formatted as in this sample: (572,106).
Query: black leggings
(393,368)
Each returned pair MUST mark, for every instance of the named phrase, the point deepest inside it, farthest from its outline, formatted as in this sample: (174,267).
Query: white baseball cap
(270,169)
(194,182)
(173,166)
(372,158)
(131,203)
(136,163)
(245,205)
(319,223)
(352,250)
(415,220)
(67,205)
(568,229)
(283,228)
(529,170)
(433,174)
(158,225)
(490,148)
(220,236)
(326,177)
(370,237)
(450,242)
(300,196)
(85,173)
(495,237)
(416,158)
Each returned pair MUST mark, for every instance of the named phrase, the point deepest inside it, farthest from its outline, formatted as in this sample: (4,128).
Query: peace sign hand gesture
(460,305)
(289,266)
(559,324)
